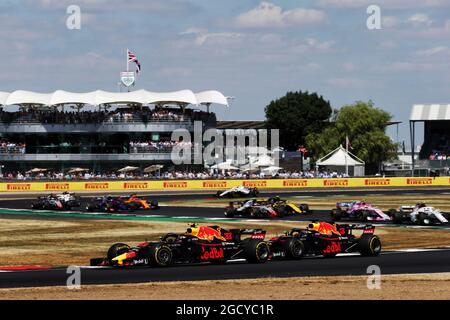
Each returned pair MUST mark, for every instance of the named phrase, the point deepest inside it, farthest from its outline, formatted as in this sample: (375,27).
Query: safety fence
(174,185)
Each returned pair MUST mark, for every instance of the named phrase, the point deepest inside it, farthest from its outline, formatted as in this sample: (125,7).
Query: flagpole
(346,151)
(128,62)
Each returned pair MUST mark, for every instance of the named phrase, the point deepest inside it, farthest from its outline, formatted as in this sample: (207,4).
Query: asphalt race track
(21,201)
(389,262)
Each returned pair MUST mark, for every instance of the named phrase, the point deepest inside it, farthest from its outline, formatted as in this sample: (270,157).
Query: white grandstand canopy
(429,112)
(99,97)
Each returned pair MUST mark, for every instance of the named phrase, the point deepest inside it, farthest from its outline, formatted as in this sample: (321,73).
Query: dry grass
(67,242)
(434,286)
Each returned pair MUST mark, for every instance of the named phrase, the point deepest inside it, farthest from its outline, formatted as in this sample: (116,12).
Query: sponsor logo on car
(335,183)
(377,182)
(258,184)
(259,236)
(211,253)
(135,185)
(295,183)
(175,185)
(18,186)
(56,186)
(419,181)
(333,247)
(214,184)
(96,185)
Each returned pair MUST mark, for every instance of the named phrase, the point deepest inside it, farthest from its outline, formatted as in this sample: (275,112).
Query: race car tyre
(304,208)
(256,251)
(154,204)
(255,213)
(36,206)
(397,218)
(229,213)
(391,212)
(160,256)
(365,215)
(336,214)
(116,250)
(424,219)
(293,248)
(281,211)
(369,245)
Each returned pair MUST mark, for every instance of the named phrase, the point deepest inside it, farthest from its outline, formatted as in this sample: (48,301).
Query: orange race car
(136,202)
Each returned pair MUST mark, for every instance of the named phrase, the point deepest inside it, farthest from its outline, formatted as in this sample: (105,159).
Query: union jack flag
(132,58)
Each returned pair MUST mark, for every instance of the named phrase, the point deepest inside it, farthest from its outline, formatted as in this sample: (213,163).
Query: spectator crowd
(164,175)
(96,117)
(9,147)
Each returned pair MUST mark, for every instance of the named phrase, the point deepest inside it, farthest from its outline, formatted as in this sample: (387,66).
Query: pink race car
(358,210)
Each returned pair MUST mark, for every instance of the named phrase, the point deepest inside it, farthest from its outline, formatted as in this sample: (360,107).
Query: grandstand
(435,150)
(97,130)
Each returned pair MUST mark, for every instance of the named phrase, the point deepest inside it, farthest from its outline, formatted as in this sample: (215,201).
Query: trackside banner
(148,185)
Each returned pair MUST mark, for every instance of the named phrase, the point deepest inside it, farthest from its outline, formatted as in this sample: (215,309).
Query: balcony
(156,156)
(109,127)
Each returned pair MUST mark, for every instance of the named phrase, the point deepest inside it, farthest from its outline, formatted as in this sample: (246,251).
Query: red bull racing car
(325,239)
(198,244)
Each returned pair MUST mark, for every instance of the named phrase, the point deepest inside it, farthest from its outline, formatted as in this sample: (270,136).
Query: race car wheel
(336,214)
(256,251)
(369,245)
(304,208)
(365,215)
(391,212)
(293,248)
(116,250)
(229,213)
(160,256)
(424,219)
(154,204)
(255,213)
(397,218)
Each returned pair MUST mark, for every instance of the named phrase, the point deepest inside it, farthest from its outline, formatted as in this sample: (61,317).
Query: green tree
(365,126)
(297,114)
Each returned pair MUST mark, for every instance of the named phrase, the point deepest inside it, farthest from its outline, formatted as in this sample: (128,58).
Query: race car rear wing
(348,228)
(254,233)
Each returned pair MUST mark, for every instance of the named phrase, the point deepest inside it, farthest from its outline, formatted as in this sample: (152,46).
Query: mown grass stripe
(104,216)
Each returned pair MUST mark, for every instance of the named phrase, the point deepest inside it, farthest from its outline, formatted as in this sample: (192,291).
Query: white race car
(419,214)
(238,192)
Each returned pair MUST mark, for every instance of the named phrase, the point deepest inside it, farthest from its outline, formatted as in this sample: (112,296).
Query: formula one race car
(250,208)
(238,192)
(358,210)
(120,204)
(419,214)
(198,244)
(136,203)
(325,239)
(285,207)
(61,201)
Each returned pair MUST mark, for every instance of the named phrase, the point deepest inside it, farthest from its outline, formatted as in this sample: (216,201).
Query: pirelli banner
(179,185)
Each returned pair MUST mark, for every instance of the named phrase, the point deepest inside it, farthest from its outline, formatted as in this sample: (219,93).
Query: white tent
(264,161)
(272,170)
(339,159)
(224,166)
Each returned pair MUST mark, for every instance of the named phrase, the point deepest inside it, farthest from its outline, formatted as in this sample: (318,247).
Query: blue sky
(253,50)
